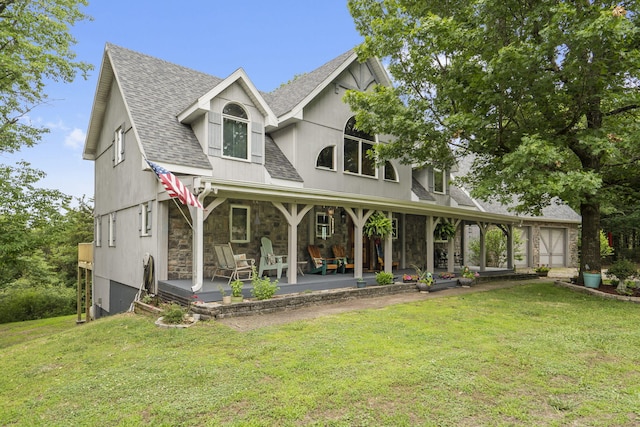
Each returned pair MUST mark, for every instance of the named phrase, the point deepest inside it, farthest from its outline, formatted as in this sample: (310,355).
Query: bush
(622,269)
(173,314)
(19,304)
(384,278)
(263,287)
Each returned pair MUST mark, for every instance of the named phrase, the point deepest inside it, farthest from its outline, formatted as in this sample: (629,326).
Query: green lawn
(527,355)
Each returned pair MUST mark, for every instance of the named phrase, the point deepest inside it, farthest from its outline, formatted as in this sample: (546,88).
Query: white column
(359,218)
(431,225)
(293,217)
(388,249)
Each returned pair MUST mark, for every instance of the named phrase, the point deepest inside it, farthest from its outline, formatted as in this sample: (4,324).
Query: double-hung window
(112,229)
(239,223)
(356,145)
(145,218)
(235,128)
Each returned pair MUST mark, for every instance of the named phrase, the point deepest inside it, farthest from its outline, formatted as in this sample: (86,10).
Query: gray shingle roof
(286,97)
(420,191)
(277,163)
(460,196)
(156,91)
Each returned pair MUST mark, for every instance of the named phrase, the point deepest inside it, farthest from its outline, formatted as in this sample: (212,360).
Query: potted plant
(360,282)
(236,290)
(262,287)
(591,278)
(468,277)
(444,231)
(542,270)
(378,225)
(384,278)
(424,279)
(226,299)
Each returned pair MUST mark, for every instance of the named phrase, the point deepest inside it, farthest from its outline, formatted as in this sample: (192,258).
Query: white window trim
(98,231)
(247,121)
(360,141)
(112,230)
(146,211)
(395,171)
(324,168)
(118,145)
(248,224)
(325,225)
(444,181)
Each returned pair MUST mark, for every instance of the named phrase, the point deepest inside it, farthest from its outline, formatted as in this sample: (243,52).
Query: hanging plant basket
(445,231)
(378,225)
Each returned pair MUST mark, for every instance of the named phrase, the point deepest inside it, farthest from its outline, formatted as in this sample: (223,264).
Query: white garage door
(552,247)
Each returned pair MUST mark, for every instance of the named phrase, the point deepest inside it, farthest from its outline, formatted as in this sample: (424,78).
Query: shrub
(384,278)
(173,314)
(19,304)
(622,269)
(263,287)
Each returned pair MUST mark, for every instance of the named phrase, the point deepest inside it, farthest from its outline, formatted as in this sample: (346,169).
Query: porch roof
(274,193)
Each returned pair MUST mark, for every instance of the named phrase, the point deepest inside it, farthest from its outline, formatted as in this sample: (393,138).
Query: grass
(527,355)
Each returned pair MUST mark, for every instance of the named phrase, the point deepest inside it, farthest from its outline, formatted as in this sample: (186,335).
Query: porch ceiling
(264,192)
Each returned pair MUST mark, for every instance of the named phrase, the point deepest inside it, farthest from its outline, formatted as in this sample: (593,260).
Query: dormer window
(326,158)
(356,145)
(439,181)
(235,125)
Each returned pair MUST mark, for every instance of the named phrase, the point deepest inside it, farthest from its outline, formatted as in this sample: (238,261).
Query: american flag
(174,187)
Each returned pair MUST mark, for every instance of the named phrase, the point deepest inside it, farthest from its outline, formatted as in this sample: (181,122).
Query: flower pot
(542,273)
(591,280)
(226,299)
(361,284)
(237,299)
(422,287)
(465,281)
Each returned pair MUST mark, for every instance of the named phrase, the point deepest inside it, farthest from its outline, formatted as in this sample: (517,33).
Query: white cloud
(75,139)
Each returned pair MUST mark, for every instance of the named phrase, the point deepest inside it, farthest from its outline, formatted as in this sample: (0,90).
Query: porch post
(359,218)
(452,246)
(197,219)
(483,247)
(293,218)
(431,225)
(510,253)
(388,250)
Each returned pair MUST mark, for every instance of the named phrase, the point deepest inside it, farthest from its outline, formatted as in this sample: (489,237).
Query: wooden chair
(269,261)
(232,266)
(394,264)
(340,253)
(320,264)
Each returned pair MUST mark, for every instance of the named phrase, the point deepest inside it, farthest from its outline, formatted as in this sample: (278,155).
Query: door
(552,247)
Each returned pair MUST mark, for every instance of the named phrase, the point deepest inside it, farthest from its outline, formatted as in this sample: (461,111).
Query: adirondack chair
(322,265)
(341,253)
(230,265)
(269,261)
(394,264)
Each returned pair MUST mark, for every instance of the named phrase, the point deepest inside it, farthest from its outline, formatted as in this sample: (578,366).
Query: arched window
(235,124)
(326,158)
(356,145)
(390,172)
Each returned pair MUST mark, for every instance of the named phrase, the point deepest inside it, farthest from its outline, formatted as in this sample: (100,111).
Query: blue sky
(271,40)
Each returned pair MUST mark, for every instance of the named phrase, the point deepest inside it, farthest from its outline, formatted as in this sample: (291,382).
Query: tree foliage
(544,95)
(496,247)
(35,47)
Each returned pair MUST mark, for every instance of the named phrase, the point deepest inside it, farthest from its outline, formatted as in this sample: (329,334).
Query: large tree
(543,94)
(35,47)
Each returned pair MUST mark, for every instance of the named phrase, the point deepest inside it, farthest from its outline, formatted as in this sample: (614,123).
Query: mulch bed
(609,289)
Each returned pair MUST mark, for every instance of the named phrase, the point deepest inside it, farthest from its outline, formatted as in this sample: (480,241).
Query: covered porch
(181,289)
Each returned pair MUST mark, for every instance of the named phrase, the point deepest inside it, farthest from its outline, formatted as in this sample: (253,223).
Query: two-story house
(289,165)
